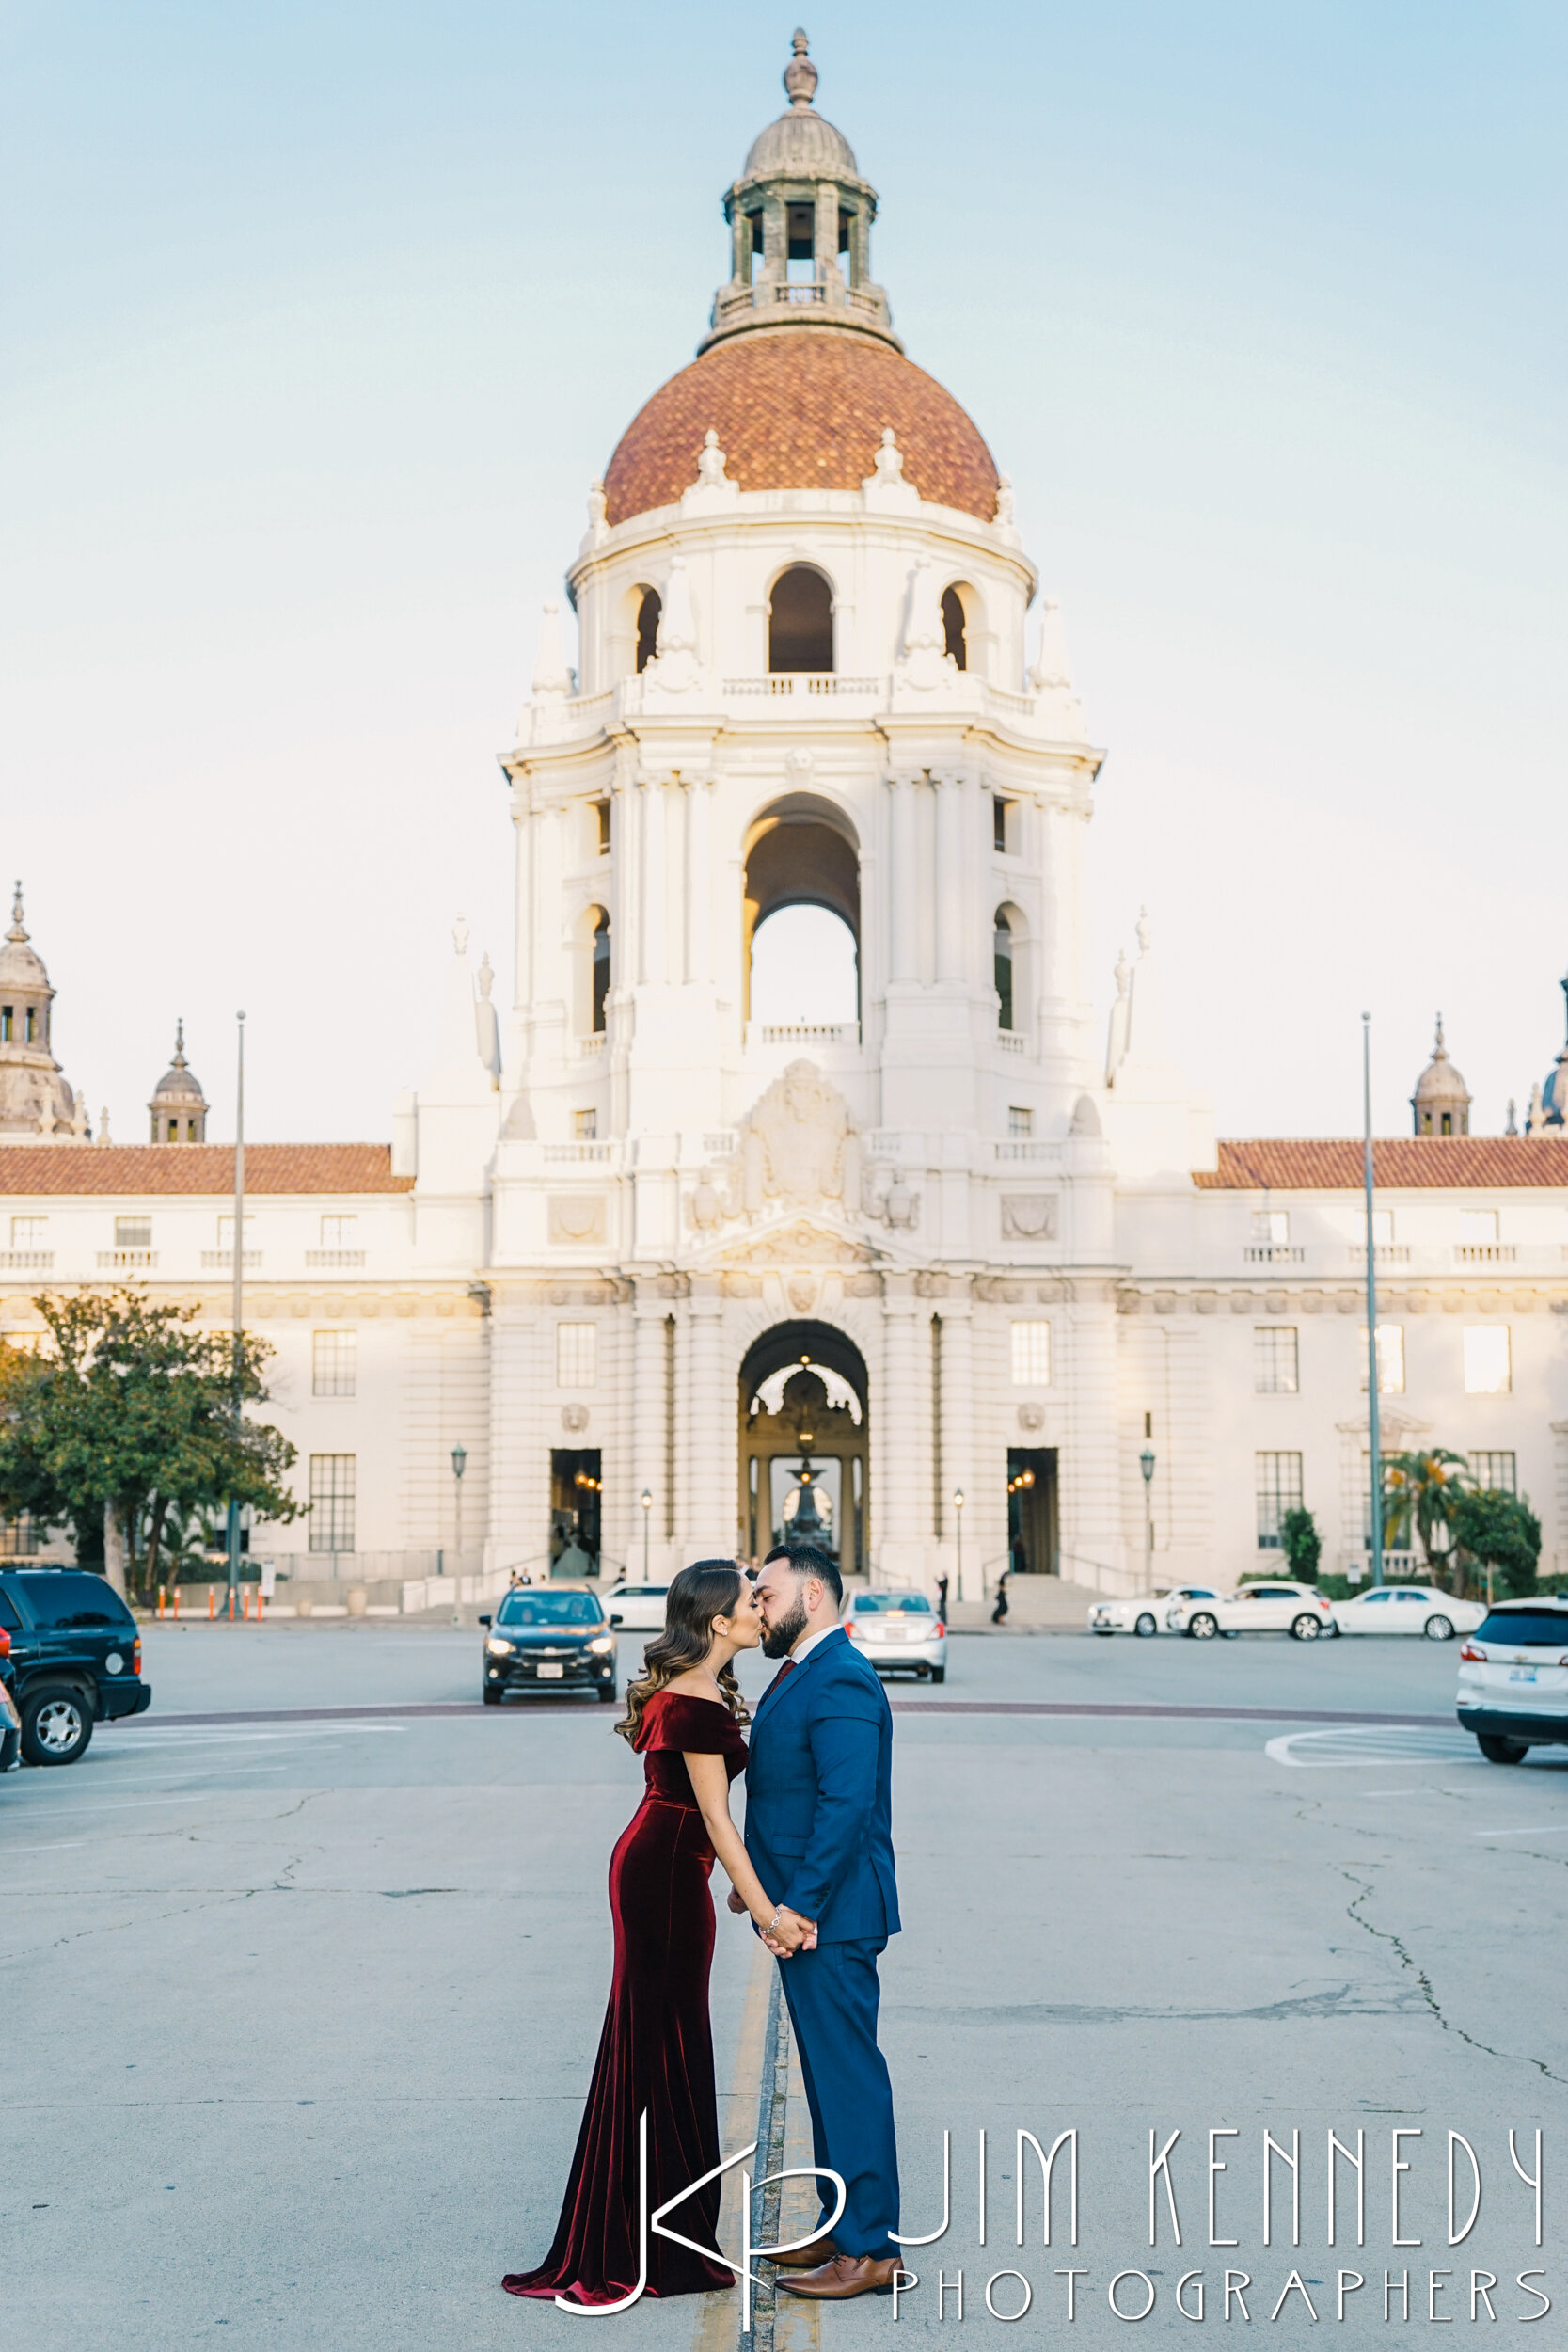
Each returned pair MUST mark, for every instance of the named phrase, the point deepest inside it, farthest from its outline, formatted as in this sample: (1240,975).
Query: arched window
(600,969)
(647,627)
(800,621)
(802,881)
(1003,967)
(953,626)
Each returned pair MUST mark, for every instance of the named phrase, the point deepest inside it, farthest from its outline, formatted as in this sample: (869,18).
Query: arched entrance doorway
(804,1444)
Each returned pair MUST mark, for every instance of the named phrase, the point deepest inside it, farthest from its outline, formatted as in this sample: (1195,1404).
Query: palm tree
(1421,1490)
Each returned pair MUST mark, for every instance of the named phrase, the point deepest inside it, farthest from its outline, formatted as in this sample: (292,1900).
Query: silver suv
(1514,1678)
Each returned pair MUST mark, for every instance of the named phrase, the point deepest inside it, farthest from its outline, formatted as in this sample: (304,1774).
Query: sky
(316,320)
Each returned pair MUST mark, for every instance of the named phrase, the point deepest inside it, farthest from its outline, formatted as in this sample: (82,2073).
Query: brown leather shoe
(821,2249)
(847,2274)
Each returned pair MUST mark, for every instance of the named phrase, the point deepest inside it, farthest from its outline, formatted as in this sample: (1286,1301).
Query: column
(951,868)
(522,825)
(651,963)
(647,1421)
(710,1427)
(897,1450)
(699,812)
(958,1434)
(902,908)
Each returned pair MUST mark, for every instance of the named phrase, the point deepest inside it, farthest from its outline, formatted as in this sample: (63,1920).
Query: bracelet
(772,1923)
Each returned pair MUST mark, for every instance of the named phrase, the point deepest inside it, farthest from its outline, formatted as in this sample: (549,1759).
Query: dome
(20,965)
(178,1083)
(178,1098)
(800,409)
(801,143)
(1442,1100)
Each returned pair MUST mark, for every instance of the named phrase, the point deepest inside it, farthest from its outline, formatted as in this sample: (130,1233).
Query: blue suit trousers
(834,1996)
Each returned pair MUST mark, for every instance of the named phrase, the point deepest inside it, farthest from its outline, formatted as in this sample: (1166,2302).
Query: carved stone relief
(577,1218)
(1028,1216)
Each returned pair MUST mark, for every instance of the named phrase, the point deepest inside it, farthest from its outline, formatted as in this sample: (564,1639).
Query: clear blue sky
(320,318)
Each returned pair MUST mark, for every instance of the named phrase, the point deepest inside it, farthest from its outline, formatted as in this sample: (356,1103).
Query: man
(819,1827)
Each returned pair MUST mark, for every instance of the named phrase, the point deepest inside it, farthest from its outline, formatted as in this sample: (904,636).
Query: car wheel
(1304,1628)
(1145,1625)
(609,1693)
(1438,1629)
(1502,1750)
(56,1726)
(1203,1628)
(490,1694)
(939,1674)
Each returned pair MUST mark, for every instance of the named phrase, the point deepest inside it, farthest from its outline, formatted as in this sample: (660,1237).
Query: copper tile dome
(800,409)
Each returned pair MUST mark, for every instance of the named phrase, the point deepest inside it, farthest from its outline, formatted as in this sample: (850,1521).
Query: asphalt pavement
(302,2005)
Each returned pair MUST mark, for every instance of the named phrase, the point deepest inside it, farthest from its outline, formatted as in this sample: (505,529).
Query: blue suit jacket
(819,1795)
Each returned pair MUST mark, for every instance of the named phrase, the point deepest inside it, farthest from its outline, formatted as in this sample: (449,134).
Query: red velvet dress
(656,2051)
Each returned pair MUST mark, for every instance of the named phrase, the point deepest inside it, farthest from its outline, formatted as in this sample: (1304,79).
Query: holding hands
(784,1933)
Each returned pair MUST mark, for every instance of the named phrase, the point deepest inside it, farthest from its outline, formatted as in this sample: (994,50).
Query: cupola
(800,218)
(1441,1102)
(177,1110)
(36,1104)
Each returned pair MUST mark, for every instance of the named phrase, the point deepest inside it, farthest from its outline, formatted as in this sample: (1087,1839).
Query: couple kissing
(815,1873)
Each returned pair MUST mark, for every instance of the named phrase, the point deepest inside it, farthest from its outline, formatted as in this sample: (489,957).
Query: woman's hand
(736,1899)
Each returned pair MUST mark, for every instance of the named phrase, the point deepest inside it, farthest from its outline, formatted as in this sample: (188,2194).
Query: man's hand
(790,1933)
(736,1902)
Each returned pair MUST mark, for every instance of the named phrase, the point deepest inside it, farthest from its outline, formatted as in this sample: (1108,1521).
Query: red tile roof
(1406,1164)
(205,1169)
(800,408)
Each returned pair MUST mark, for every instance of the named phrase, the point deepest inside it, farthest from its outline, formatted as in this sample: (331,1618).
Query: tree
(127,1411)
(1302,1544)
(1493,1529)
(1421,1489)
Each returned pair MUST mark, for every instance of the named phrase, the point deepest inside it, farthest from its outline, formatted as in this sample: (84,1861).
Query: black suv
(76,1655)
(541,1637)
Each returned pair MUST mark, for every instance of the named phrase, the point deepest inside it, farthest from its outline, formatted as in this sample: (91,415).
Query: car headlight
(498,1649)
(601,1643)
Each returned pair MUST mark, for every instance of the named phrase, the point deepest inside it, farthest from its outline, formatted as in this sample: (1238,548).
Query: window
(1031,1354)
(585,1125)
(647,627)
(18,1541)
(1488,1369)
(8,1015)
(1390,1358)
(601,971)
(29,1233)
(339,1233)
(601,816)
(576,1355)
(1001,824)
(1002,968)
(1278,1491)
(32,1025)
(333,1362)
(1276,1366)
(1477,1227)
(1270,1229)
(1497,1471)
(133,1232)
(332,1502)
(800,621)
(953,626)
(1020,1121)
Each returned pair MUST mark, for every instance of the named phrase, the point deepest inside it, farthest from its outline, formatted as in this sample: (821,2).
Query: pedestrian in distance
(1001,1609)
(942,1598)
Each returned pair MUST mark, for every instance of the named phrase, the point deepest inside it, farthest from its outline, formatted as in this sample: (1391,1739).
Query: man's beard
(781,1639)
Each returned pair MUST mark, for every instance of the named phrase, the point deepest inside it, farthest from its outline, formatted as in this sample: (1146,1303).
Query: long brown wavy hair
(707,1589)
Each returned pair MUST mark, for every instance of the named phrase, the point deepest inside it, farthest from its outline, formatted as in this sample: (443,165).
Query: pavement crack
(1408,1961)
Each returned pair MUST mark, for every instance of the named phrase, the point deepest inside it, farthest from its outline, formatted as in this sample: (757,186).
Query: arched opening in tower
(803,884)
(648,611)
(1002,968)
(953,626)
(800,621)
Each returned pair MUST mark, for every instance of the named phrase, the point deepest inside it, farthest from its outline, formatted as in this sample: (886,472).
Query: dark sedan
(547,1641)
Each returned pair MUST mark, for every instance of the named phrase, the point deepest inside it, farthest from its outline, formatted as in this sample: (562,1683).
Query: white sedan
(1145,1614)
(637,1607)
(1299,1609)
(1408,1609)
(900,1632)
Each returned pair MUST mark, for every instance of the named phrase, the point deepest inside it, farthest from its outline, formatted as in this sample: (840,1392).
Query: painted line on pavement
(1080,1709)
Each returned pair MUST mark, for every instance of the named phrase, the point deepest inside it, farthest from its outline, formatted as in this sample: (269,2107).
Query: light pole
(1146,1463)
(959,1523)
(459,1464)
(239,1309)
(647,1525)
(1375,1433)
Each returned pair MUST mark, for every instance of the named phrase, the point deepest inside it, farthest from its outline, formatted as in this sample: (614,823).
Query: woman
(656,2052)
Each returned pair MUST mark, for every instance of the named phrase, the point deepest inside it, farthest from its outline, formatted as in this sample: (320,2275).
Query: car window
(9,1618)
(1526,1628)
(1409,1595)
(1275,1592)
(69,1601)
(1197,1592)
(541,1608)
(879,1604)
(1370,1600)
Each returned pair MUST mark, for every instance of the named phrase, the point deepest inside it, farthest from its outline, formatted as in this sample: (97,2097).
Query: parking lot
(303,2002)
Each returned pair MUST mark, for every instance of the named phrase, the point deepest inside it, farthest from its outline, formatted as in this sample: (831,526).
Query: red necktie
(787,1668)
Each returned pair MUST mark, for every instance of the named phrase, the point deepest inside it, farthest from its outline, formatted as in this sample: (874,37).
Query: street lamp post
(239,1307)
(1146,1463)
(459,1464)
(1375,1433)
(959,1523)
(647,1525)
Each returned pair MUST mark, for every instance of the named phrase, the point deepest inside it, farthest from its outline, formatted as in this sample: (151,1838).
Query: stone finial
(1004,501)
(890,457)
(598,506)
(104,1124)
(1144,930)
(550,674)
(460,935)
(1050,664)
(79,1128)
(179,1062)
(1512,1128)
(486,976)
(1124,971)
(677,626)
(18,929)
(1535,1117)
(710,459)
(800,76)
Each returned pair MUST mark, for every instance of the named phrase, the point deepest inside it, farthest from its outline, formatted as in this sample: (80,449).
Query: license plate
(551,1674)
(1521,1673)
